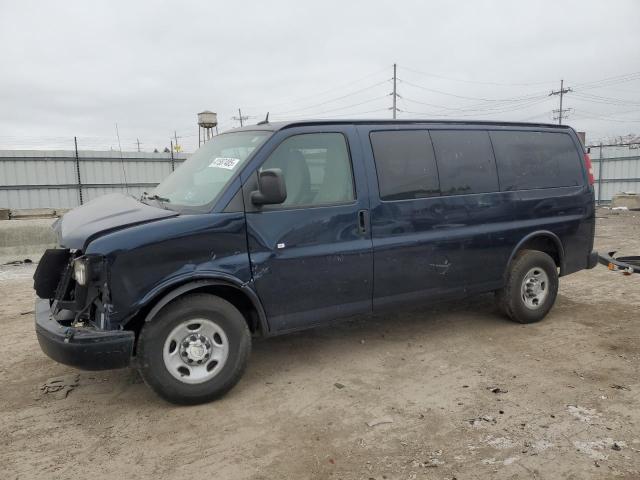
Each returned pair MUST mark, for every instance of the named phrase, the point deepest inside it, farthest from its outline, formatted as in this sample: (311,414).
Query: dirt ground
(567,404)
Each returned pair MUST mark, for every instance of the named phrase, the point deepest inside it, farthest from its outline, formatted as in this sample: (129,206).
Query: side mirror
(271,188)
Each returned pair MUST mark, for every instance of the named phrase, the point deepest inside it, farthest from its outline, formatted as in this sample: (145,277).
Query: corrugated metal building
(56,179)
(616,169)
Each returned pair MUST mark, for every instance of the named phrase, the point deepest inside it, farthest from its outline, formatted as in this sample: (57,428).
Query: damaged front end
(73,312)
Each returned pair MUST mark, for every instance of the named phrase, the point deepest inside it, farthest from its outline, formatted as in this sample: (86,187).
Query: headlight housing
(87,269)
(80,270)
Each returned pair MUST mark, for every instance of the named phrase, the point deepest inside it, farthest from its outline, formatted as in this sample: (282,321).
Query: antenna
(124,172)
(265,121)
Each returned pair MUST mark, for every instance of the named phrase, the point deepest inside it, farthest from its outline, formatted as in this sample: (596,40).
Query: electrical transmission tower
(560,112)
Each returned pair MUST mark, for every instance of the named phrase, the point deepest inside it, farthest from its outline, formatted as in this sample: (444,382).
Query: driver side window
(316,168)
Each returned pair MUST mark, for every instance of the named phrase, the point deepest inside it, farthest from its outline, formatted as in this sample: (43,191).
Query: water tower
(207,121)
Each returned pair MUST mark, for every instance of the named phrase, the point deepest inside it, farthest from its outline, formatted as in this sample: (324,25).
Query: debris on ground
(433,462)
(19,262)
(620,387)
(595,449)
(496,390)
(59,387)
(338,385)
(380,421)
(540,445)
(481,420)
(583,414)
(501,443)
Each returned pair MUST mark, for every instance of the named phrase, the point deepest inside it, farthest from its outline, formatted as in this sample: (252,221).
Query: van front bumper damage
(86,348)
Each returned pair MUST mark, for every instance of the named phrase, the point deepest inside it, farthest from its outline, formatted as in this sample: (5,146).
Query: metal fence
(616,169)
(62,179)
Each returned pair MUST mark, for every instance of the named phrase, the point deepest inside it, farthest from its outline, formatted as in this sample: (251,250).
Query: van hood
(104,214)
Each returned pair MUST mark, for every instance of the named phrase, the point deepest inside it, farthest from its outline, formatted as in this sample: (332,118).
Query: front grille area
(53,265)
(64,285)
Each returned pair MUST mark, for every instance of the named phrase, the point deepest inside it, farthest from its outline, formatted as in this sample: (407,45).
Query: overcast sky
(77,68)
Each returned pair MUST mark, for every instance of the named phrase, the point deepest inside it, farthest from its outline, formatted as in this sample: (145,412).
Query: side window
(465,161)
(316,169)
(405,164)
(528,160)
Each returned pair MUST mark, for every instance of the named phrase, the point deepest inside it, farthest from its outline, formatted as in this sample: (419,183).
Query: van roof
(275,126)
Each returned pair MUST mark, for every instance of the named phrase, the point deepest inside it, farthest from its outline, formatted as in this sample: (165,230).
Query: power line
(595,116)
(476,82)
(337,109)
(369,87)
(395,92)
(321,94)
(481,107)
(604,100)
(512,108)
(605,82)
(464,97)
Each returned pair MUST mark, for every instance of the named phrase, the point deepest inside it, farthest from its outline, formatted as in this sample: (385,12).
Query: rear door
(311,256)
(544,171)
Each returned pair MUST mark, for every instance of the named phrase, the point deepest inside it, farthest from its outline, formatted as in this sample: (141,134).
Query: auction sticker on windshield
(227,163)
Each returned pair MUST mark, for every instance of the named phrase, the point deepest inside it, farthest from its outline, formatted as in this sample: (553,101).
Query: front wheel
(195,350)
(531,287)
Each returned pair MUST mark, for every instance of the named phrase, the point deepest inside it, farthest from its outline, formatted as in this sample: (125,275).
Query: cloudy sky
(78,68)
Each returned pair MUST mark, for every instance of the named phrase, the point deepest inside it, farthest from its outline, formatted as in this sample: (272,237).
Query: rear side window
(528,160)
(405,164)
(465,161)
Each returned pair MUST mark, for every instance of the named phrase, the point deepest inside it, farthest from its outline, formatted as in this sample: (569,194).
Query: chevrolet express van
(278,227)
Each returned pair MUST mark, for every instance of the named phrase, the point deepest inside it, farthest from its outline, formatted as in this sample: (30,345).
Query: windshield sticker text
(227,163)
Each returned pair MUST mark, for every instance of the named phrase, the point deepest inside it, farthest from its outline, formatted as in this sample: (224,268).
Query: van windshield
(205,174)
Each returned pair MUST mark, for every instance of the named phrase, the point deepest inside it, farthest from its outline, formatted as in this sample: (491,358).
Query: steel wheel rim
(535,288)
(195,351)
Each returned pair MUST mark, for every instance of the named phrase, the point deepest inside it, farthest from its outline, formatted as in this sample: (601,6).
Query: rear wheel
(531,287)
(195,350)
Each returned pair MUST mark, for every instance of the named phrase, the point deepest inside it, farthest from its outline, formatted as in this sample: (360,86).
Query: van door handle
(363,220)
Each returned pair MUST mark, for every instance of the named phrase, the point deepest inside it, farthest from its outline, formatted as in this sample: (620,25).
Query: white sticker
(227,163)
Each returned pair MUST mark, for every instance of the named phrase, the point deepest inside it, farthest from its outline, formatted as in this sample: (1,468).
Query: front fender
(165,294)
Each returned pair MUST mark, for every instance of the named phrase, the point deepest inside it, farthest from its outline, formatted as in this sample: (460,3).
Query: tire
(531,287)
(195,350)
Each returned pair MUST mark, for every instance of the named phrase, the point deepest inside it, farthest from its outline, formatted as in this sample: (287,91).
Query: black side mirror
(271,188)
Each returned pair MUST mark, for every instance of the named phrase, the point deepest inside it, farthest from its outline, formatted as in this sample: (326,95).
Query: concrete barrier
(25,239)
(629,200)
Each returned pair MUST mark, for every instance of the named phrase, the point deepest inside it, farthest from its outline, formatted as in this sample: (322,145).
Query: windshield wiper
(146,196)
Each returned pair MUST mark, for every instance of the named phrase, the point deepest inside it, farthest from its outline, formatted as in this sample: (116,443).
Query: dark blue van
(278,227)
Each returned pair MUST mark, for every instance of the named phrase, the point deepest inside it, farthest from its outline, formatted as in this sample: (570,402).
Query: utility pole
(561,92)
(138,142)
(173,164)
(239,117)
(395,92)
(75,141)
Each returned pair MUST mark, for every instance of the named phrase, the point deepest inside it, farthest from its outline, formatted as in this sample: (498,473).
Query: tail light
(587,163)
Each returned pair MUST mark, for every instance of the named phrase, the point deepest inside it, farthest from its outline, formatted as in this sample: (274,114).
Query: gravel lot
(567,403)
